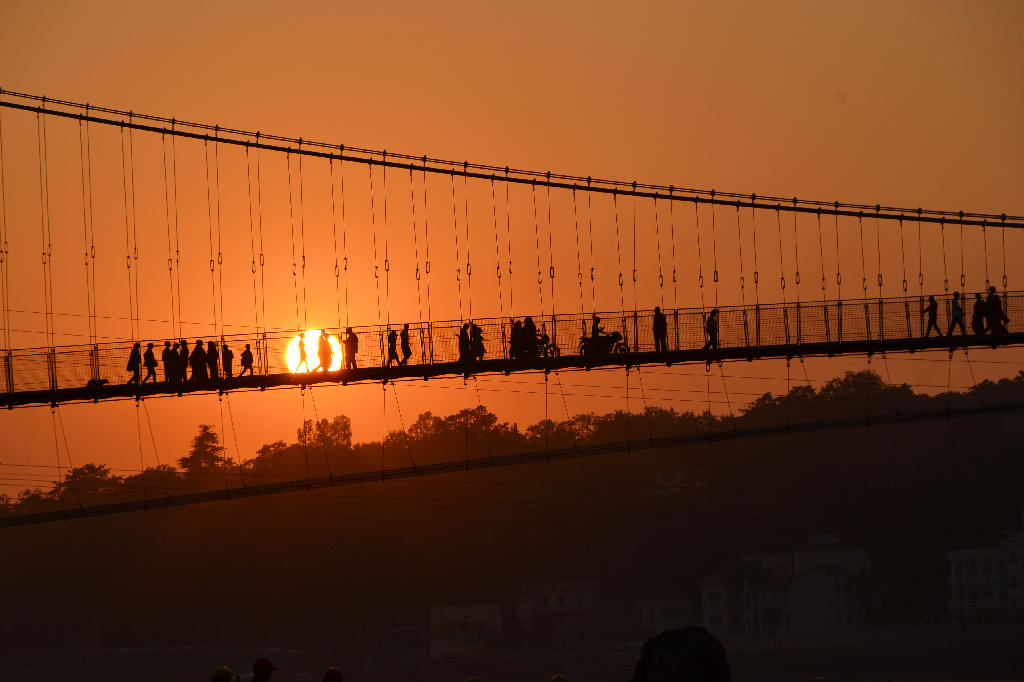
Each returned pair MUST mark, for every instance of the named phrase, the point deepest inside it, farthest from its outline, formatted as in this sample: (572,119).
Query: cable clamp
(715,274)
(551,271)
(798,277)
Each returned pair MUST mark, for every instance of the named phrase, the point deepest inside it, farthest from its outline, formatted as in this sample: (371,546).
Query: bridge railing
(778,324)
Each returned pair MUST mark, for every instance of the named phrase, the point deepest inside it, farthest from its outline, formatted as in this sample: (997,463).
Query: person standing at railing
(464,350)
(515,341)
(476,342)
(226,356)
(932,310)
(197,361)
(149,360)
(212,359)
(406,347)
(997,319)
(246,361)
(529,338)
(660,329)
(183,362)
(134,364)
(978,316)
(351,348)
(711,330)
(324,352)
(169,357)
(956,316)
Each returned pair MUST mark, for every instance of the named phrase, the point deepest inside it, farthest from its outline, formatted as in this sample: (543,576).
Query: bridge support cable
(149,123)
(508,247)
(45,229)
(579,253)
(796,266)
(479,463)
(314,432)
(291,224)
(782,262)
(878,250)
(177,232)
(89,232)
(175,326)
(714,248)
(234,436)
(458,252)
(551,262)
(739,242)
(5,255)
(376,260)
(302,243)
(984,242)
(387,261)
(344,239)
(675,263)
(426,247)
(536,239)
(213,255)
(469,246)
(252,243)
(142,458)
(590,240)
(661,268)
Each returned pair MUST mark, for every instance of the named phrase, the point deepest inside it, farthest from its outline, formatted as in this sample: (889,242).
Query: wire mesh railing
(432,343)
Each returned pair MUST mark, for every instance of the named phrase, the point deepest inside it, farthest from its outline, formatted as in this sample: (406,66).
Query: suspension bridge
(656,274)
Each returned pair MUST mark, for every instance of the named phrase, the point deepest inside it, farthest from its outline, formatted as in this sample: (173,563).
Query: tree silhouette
(205,455)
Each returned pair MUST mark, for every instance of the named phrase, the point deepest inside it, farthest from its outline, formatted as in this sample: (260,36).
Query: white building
(988,582)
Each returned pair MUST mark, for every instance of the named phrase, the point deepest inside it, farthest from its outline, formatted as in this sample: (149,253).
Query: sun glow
(311,337)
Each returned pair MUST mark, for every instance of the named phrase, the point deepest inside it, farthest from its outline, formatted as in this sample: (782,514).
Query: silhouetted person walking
(476,342)
(529,338)
(406,348)
(711,330)
(324,352)
(197,362)
(183,360)
(226,356)
(393,347)
(660,329)
(169,357)
(351,348)
(464,348)
(149,361)
(994,309)
(246,361)
(135,363)
(212,359)
(932,310)
(303,355)
(978,316)
(956,316)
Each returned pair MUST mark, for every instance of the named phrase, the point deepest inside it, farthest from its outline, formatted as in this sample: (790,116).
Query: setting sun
(294,358)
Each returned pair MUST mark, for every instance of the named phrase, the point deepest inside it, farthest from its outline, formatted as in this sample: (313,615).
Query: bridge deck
(49,376)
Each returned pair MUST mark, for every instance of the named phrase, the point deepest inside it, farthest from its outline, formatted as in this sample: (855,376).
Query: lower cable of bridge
(488,462)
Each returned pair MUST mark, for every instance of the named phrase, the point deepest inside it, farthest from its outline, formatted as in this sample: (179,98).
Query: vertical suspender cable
(863,262)
(700,255)
(416,249)
(344,230)
(945,267)
(796,255)
(177,233)
(839,272)
(291,223)
(903,256)
(127,237)
(635,304)
(508,238)
(714,248)
(782,263)
(878,248)
(753,229)
(220,250)
(376,268)
(252,242)
(963,274)
(579,259)
(618,251)
(387,262)
(739,241)
(88,228)
(209,211)
(920,258)
(469,259)
(1002,233)
(458,253)
(4,252)
(984,241)
(551,251)
(661,268)
(821,262)
(426,238)
(497,249)
(167,220)
(590,239)
(135,227)
(302,239)
(44,228)
(672,227)
(536,239)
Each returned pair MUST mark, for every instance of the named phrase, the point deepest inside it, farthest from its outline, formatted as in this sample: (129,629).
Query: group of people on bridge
(987,316)
(205,363)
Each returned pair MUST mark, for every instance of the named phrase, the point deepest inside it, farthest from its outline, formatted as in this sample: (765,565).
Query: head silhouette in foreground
(686,655)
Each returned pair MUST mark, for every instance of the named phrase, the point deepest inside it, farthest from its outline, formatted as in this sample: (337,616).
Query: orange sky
(898,103)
